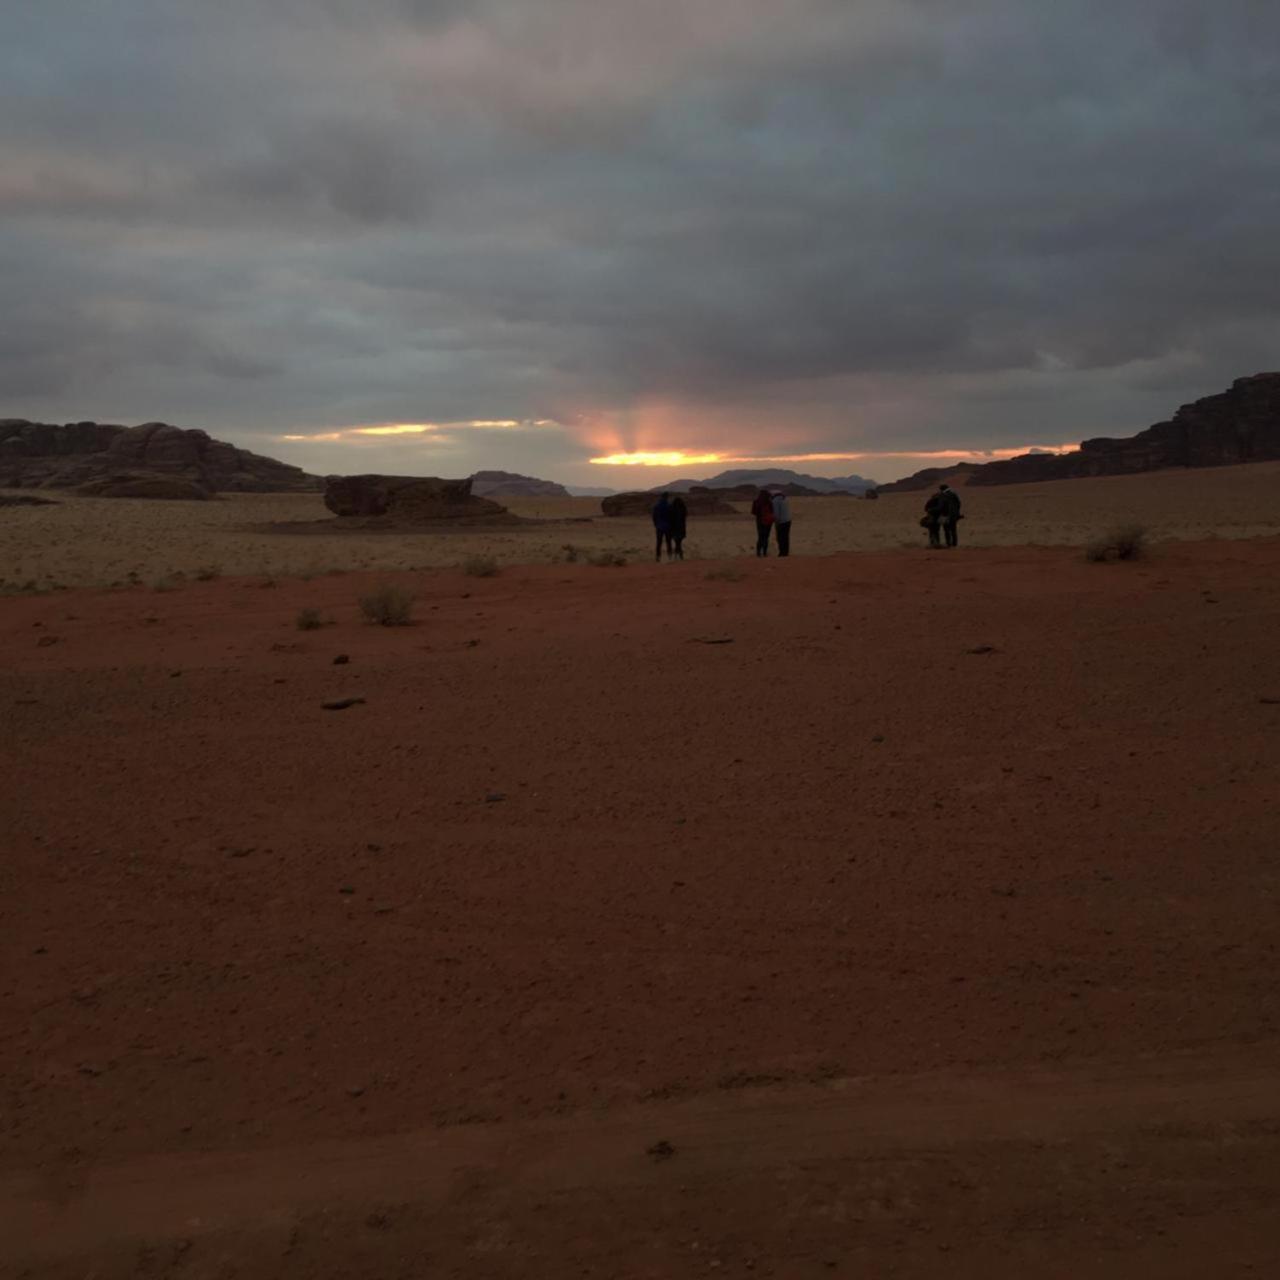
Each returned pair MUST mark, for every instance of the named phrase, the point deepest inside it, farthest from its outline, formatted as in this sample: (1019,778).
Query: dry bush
(1130,541)
(571,553)
(1125,542)
(388,606)
(309,620)
(207,573)
(480,567)
(607,559)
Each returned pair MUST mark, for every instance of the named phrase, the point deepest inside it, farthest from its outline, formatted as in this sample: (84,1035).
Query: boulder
(411,499)
(144,485)
(699,502)
(43,455)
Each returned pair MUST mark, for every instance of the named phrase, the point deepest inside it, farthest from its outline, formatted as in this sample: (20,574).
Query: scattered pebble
(341,704)
(662,1150)
(341,660)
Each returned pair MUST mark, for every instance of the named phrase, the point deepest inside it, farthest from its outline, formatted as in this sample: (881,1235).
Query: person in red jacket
(762,509)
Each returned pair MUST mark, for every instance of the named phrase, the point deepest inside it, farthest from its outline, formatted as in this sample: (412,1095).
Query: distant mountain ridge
(510,484)
(771,475)
(1241,424)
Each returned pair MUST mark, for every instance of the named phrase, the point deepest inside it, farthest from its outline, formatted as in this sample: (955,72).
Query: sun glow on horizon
(678,458)
(669,458)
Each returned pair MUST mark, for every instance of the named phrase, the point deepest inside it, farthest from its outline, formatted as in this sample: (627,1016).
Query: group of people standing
(670,523)
(941,515)
(772,510)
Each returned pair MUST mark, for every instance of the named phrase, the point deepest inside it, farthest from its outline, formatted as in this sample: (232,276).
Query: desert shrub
(207,573)
(571,553)
(388,606)
(1126,542)
(309,620)
(164,584)
(606,559)
(726,573)
(1130,541)
(480,567)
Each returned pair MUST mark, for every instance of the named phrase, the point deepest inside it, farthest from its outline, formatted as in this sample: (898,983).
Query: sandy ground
(97,541)
(923,905)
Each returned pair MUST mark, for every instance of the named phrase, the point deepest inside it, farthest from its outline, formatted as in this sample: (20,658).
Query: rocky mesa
(109,458)
(410,500)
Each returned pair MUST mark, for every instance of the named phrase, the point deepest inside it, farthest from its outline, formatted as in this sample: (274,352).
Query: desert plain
(879,912)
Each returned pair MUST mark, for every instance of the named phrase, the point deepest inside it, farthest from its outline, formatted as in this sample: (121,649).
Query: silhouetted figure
(662,526)
(950,500)
(782,521)
(678,516)
(931,521)
(762,509)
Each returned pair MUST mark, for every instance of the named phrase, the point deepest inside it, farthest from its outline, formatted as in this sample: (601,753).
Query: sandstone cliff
(1241,424)
(42,455)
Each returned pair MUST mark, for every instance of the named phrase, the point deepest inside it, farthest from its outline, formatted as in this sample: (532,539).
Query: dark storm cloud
(883,226)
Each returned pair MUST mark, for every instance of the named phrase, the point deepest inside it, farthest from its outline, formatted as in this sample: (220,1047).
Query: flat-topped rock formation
(42,455)
(409,499)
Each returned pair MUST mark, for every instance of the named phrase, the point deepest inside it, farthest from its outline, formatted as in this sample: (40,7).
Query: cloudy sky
(437,235)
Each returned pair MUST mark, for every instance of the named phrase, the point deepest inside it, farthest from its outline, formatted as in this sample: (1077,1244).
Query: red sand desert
(888,914)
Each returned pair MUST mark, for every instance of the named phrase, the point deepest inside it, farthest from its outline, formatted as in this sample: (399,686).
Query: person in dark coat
(782,522)
(932,519)
(762,509)
(662,525)
(678,516)
(950,501)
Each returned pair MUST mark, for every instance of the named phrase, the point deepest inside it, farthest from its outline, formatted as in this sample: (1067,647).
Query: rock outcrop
(24,500)
(1238,425)
(931,478)
(508,484)
(1241,424)
(408,499)
(42,455)
(144,485)
(699,502)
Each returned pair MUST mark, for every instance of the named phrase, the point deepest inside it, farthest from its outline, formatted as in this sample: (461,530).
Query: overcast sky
(537,232)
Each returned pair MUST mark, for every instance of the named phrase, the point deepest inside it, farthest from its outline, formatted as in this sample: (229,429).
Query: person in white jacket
(782,521)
